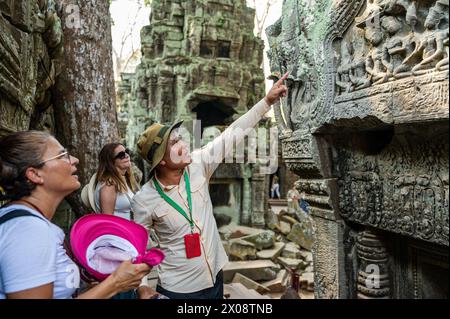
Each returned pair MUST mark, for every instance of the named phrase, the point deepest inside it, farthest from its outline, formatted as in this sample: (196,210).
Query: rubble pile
(262,260)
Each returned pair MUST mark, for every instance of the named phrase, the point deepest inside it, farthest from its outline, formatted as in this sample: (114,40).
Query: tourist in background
(115,184)
(275,190)
(293,199)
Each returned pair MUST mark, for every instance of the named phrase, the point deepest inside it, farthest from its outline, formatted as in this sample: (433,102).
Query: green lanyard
(175,205)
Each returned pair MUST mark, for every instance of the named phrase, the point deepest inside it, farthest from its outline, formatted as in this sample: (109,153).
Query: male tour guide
(176,203)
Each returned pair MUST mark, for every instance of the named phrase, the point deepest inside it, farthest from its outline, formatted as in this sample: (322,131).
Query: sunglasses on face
(123,154)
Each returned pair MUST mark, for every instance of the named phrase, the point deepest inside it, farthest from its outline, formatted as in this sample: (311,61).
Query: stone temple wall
(365,126)
(194,53)
(30,51)
(201,61)
(31,57)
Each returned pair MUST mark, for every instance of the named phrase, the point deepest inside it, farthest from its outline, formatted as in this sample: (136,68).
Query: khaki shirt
(178,273)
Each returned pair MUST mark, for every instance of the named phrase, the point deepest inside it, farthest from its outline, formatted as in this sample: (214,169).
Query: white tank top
(122,207)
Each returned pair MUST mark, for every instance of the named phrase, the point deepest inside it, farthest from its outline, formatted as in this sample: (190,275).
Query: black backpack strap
(15,214)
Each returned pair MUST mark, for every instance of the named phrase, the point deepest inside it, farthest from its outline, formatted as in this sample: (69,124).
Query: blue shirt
(32,254)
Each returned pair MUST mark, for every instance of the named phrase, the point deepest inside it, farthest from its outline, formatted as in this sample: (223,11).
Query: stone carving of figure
(343,71)
(443,64)
(395,48)
(374,65)
(431,48)
(194,39)
(273,32)
(373,8)
(358,75)
(390,6)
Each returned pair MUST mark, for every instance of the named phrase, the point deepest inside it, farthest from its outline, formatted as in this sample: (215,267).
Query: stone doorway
(226,197)
(213,113)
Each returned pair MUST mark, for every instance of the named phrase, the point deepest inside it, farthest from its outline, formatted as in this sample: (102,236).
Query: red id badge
(192,244)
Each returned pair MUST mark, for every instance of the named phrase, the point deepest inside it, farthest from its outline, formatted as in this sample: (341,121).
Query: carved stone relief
(30,51)
(392,40)
(366,68)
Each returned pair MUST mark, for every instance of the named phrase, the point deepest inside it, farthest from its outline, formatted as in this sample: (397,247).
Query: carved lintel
(390,194)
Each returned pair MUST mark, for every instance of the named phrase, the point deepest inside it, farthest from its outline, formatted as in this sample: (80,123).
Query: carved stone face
(391,24)
(433,18)
(373,35)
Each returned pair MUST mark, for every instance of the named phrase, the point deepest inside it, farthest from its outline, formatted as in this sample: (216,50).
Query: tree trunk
(84,98)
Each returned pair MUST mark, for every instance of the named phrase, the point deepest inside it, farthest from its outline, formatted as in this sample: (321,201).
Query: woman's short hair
(19,151)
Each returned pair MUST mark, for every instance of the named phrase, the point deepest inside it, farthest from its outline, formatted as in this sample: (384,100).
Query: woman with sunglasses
(36,173)
(114,190)
(115,183)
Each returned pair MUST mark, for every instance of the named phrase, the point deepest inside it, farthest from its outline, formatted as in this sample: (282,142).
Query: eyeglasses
(123,154)
(64,156)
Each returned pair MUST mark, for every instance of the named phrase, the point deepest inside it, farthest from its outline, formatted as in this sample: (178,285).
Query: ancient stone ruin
(30,51)
(365,127)
(201,61)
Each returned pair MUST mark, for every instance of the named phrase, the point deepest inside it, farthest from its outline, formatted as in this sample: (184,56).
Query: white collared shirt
(178,273)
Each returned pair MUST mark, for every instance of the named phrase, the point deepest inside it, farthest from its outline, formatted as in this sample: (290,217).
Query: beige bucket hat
(88,193)
(153,142)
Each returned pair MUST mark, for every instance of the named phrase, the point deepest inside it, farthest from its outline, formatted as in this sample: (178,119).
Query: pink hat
(100,243)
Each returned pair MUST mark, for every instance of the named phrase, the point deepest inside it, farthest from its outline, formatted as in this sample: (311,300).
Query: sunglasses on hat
(123,154)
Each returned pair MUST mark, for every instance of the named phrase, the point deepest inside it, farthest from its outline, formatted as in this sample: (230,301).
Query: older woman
(36,173)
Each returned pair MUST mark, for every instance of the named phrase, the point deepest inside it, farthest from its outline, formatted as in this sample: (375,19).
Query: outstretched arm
(214,152)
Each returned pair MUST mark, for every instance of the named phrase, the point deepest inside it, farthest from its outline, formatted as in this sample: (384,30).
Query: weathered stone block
(271,253)
(289,219)
(306,256)
(239,291)
(175,36)
(302,235)
(291,263)
(265,239)
(255,270)
(291,250)
(249,283)
(232,231)
(285,228)
(279,284)
(272,221)
(310,268)
(241,249)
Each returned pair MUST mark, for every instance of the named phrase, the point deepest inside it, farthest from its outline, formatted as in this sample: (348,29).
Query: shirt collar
(168,188)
